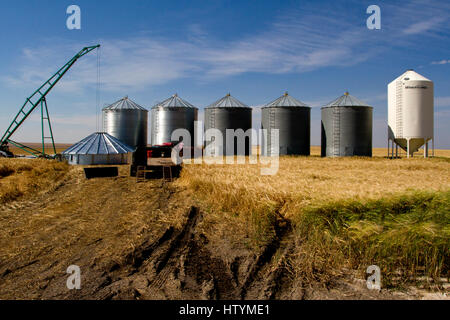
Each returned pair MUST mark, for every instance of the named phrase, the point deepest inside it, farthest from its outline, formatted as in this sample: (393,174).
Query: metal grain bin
(346,128)
(293,120)
(229,113)
(98,148)
(127,121)
(169,115)
(411,112)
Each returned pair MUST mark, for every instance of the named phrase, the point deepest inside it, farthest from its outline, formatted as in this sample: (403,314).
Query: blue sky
(257,50)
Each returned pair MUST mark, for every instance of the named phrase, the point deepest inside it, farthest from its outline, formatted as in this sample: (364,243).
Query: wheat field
(345,213)
(306,181)
(28,177)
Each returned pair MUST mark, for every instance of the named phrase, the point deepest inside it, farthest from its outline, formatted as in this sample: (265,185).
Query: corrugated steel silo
(126,121)
(98,148)
(169,115)
(293,120)
(411,112)
(229,113)
(346,128)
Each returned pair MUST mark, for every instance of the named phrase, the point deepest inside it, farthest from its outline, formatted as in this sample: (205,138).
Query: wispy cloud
(292,44)
(417,17)
(84,120)
(423,26)
(441,62)
(137,63)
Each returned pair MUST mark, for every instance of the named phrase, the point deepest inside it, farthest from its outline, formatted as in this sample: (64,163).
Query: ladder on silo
(212,124)
(269,134)
(399,111)
(155,128)
(336,132)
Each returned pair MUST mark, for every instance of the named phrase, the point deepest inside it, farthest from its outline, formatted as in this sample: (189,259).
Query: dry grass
(21,177)
(305,181)
(60,147)
(378,152)
(315,150)
(83,222)
(334,206)
(243,204)
(382,152)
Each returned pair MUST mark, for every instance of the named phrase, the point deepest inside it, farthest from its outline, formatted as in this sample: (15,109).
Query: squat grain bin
(346,128)
(293,120)
(410,113)
(230,113)
(98,148)
(126,121)
(172,114)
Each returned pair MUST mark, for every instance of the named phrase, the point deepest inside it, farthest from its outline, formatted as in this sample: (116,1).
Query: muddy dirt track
(142,241)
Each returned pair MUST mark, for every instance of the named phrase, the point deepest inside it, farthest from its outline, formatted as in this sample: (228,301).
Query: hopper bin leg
(407,148)
(392,149)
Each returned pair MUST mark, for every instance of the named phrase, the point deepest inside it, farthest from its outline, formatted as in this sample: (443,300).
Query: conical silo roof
(124,104)
(411,75)
(228,102)
(99,143)
(174,102)
(346,100)
(285,101)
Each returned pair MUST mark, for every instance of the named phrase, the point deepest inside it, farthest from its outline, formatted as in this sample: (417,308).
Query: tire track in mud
(260,277)
(166,262)
(179,264)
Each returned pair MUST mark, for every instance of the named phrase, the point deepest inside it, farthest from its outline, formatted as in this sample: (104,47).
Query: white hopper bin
(410,114)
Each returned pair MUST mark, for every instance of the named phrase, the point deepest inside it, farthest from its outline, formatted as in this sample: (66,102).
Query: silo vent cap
(173,102)
(124,103)
(346,100)
(285,101)
(228,101)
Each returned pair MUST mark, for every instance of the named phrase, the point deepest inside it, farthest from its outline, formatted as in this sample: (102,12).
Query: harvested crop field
(60,147)
(226,232)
